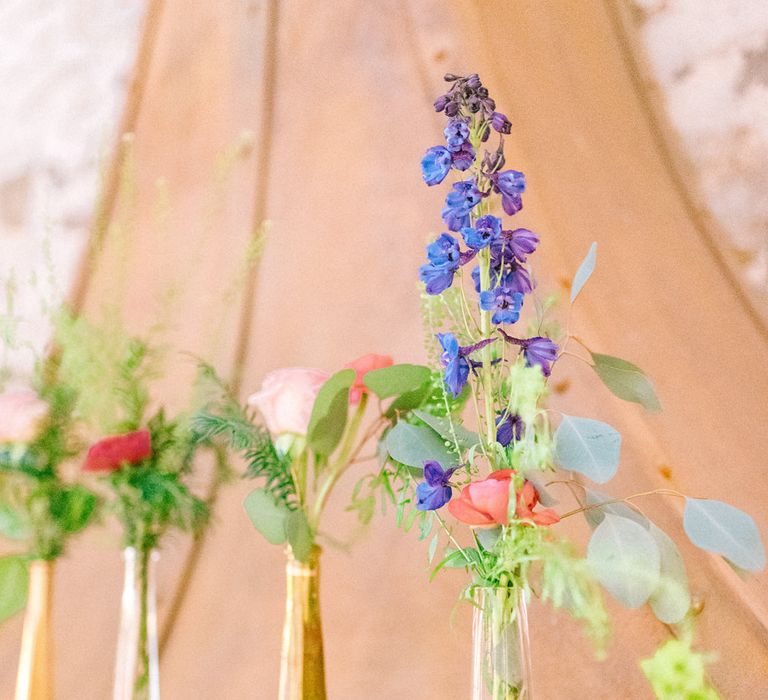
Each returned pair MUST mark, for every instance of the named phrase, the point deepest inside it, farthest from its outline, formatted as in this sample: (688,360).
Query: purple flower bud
(463,159)
(451,78)
(500,122)
(489,104)
(473,81)
(441,102)
(451,109)
(473,104)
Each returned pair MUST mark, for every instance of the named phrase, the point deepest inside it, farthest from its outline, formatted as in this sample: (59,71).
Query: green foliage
(671,600)
(151,497)
(329,413)
(676,672)
(412,445)
(14,583)
(299,535)
(625,380)
(567,582)
(267,514)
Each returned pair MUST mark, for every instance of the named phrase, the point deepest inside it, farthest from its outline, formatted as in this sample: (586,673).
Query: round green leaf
(396,380)
(589,447)
(329,412)
(413,445)
(723,529)
(14,583)
(267,516)
(625,559)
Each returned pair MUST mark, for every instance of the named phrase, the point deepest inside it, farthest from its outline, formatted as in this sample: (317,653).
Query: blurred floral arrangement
(497,480)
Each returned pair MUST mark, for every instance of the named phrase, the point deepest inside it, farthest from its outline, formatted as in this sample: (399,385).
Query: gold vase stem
(35,676)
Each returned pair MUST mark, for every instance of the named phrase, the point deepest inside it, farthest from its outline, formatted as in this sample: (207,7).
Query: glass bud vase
(302,664)
(35,677)
(137,668)
(501,658)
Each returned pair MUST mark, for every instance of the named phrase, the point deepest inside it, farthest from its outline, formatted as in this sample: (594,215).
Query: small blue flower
(444,252)
(436,279)
(511,184)
(504,302)
(434,492)
(516,245)
(542,352)
(509,427)
(485,232)
(456,134)
(459,202)
(435,165)
(456,365)
(463,158)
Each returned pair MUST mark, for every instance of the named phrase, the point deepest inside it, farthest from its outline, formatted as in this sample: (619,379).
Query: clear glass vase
(34,680)
(137,668)
(501,655)
(302,664)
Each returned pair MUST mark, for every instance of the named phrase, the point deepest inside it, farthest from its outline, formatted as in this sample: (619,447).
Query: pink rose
(22,416)
(363,365)
(111,453)
(486,503)
(286,399)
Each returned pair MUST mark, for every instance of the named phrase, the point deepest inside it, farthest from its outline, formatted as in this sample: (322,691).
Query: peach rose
(486,503)
(22,415)
(286,399)
(363,365)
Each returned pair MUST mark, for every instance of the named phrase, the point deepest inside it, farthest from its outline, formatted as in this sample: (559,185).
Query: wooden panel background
(314,115)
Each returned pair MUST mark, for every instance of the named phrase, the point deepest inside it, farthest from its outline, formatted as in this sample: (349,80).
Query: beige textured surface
(340,183)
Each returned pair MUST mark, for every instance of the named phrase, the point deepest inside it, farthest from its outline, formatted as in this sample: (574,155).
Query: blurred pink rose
(363,365)
(286,399)
(486,503)
(22,415)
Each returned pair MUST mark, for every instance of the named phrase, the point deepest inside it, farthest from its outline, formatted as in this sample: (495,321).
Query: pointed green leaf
(299,535)
(329,413)
(625,380)
(584,272)
(671,600)
(396,380)
(625,559)
(723,529)
(432,548)
(73,507)
(589,447)
(267,515)
(14,583)
(413,445)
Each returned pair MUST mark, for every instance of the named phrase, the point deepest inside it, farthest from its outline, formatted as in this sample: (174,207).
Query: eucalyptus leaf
(595,516)
(589,447)
(625,380)
(413,445)
(329,413)
(299,535)
(267,515)
(671,600)
(625,559)
(719,527)
(448,429)
(584,272)
(410,400)
(14,584)
(396,380)
(432,548)
(488,536)
(12,524)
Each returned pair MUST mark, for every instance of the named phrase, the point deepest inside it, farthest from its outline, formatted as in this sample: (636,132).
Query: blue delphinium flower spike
(511,184)
(434,492)
(504,302)
(436,164)
(444,259)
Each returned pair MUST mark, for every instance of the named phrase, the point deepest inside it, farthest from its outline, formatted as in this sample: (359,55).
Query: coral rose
(486,503)
(111,453)
(22,416)
(286,399)
(363,365)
